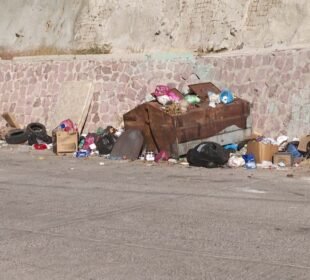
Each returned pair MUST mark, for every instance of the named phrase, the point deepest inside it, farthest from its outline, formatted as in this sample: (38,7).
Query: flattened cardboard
(303,143)
(262,152)
(286,158)
(72,103)
(65,142)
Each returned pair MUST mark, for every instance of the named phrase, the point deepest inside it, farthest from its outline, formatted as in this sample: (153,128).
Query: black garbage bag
(105,141)
(208,154)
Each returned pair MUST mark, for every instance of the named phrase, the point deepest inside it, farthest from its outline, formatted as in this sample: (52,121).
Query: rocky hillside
(33,27)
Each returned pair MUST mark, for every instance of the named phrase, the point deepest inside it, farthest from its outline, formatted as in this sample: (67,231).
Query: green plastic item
(100,130)
(192,99)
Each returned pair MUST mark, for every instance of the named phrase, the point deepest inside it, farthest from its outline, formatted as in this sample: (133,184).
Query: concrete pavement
(66,218)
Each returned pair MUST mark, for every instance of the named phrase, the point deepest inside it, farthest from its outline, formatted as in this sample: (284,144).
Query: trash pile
(171,127)
(268,153)
(176,102)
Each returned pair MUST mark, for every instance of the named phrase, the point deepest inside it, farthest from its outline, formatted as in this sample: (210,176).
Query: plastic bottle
(249,161)
(81,154)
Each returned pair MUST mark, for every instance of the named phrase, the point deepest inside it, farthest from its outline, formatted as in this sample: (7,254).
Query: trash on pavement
(174,161)
(106,140)
(249,161)
(40,147)
(292,149)
(233,147)
(65,138)
(208,154)
(37,134)
(81,154)
(129,145)
(262,150)
(283,158)
(282,142)
(162,156)
(149,156)
(235,161)
(16,136)
(266,165)
(304,144)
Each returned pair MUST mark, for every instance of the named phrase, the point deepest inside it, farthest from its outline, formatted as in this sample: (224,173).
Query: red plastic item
(40,146)
(162,156)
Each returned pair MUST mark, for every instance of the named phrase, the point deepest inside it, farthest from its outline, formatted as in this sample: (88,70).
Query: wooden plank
(11,120)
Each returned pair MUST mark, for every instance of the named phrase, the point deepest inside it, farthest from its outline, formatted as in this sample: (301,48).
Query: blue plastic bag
(226,96)
(249,161)
(293,150)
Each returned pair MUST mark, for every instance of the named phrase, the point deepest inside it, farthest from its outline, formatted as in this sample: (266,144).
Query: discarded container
(284,158)
(304,144)
(81,154)
(262,151)
(65,142)
(249,161)
(177,134)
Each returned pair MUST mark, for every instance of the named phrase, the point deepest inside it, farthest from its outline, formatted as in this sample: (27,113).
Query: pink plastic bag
(162,156)
(165,90)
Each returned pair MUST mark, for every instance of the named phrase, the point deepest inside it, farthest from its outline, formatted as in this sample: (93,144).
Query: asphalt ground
(67,218)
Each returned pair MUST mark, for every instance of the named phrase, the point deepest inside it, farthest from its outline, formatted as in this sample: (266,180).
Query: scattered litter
(41,158)
(40,147)
(149,156)
(281,164)
(266,165)
(162,156)
(174,161)
(81,154)
(250,161)
(214,99)
(236,161)
(171,124)
(226,96)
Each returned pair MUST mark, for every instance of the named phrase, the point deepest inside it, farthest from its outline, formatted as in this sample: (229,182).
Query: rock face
(135,26)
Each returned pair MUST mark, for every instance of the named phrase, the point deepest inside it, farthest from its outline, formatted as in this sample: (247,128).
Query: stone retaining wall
(276,83)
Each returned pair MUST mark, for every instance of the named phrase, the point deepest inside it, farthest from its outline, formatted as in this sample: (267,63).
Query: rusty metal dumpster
(178,133)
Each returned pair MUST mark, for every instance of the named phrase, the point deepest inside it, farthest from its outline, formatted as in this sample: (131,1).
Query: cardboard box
(65,142)
(304,144)
(286,158)
(262,152)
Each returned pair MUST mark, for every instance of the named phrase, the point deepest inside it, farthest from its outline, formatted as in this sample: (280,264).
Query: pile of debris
(207,127)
